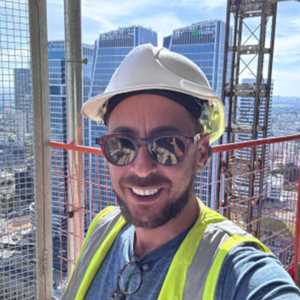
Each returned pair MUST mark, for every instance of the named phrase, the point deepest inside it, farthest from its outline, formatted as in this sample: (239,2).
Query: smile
(144,191)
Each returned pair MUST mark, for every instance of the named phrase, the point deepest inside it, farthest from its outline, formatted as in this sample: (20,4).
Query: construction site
(54,178)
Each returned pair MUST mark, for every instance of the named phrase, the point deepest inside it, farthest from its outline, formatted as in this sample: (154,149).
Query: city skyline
(164,18)
(17,191)
(20,210)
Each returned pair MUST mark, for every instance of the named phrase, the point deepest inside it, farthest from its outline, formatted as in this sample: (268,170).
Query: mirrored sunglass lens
(120,151)
(130,279)
(168,150)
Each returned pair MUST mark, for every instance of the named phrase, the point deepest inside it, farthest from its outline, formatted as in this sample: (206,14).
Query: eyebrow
(124,130)
(156,131)
(165,129)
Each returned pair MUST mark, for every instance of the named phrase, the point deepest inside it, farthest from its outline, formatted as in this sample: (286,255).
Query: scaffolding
(279,219)
(247,88)
(26,203)
(17,168)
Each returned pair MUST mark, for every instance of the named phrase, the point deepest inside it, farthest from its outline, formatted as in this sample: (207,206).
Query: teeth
(144,192)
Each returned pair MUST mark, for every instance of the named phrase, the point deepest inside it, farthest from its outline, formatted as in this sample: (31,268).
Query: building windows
(54,90)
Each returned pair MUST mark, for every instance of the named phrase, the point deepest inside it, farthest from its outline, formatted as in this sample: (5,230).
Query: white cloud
(287,49)
(197,5)
(287,42)
(296,23)
(115,9)
(286,81)
(55,2)
(125,7)
(99,10)
(111,14)
(213,4)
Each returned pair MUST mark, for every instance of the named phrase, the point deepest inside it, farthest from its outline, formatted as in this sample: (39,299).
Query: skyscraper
(23,102)
(110,49)
(22,79)
(59,159)
(244,133)
(203,43)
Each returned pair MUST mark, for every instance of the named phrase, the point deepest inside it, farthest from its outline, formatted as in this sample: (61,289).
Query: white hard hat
(147,68)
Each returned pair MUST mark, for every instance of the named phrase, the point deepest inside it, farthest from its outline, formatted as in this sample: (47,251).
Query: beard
(170,211)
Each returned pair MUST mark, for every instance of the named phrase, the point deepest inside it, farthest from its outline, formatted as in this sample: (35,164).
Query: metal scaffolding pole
(39,63)
(252,54)
(73,59)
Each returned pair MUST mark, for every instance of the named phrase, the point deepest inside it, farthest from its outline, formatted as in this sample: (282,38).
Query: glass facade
(245,120)
(59,159)
(110,49)
(203,43)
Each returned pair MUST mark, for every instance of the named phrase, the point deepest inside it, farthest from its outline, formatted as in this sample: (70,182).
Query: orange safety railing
(272,214)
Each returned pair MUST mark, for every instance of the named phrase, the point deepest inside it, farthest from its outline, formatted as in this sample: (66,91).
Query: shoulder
(102,219)
(104,216)
(251,274)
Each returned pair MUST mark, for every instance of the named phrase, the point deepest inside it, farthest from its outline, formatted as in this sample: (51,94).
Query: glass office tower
(58,132)
(245,121)
(110,49)
(203,43)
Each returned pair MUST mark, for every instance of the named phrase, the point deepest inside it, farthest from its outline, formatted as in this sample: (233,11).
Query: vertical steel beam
(236,79)
(241,11)
(270,68)
(222,197)
(259,73)
(266,117)
(73,59)
(228,97)
(256,113)
(234,63)
(39,64)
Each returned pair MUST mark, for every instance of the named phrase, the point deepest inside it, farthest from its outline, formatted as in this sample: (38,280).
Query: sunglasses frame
(138,142)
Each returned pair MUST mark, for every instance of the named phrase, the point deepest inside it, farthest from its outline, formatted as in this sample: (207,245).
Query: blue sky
(163,16)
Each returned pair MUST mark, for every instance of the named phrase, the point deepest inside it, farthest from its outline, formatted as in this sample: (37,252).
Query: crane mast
(247,83)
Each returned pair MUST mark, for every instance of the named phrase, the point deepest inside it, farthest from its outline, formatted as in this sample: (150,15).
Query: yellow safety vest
(194,271)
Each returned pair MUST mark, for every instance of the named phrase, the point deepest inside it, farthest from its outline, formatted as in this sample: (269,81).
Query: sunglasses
(129,281)
(168,150)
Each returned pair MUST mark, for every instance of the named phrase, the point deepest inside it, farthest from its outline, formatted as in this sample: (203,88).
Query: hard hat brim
(146,68)
(95,107)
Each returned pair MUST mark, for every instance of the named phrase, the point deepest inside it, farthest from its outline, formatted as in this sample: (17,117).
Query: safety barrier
(270,212)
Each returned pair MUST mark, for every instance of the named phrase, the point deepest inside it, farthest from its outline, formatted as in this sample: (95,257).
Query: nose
(143,165)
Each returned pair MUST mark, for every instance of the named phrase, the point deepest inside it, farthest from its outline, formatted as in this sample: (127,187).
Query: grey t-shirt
(247,273)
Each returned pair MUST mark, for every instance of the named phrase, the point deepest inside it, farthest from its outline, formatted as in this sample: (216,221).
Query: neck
(149,239)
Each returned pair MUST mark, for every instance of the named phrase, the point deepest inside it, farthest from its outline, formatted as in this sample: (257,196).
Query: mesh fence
(270,214)
(17,214)
(269,211)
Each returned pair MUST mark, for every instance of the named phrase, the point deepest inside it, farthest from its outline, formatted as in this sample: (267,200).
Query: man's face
(168,188)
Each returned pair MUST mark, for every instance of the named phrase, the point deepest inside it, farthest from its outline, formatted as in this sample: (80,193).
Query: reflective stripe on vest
(194,270)
(213,274)
(102,228)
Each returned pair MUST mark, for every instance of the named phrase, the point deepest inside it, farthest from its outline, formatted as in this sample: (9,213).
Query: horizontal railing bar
(215,149)
(254,143)
(73,147)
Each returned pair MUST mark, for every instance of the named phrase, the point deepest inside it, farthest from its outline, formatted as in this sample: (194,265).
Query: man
(162,242)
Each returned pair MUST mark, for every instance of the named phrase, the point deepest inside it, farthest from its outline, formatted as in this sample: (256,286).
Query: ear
(203,152)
